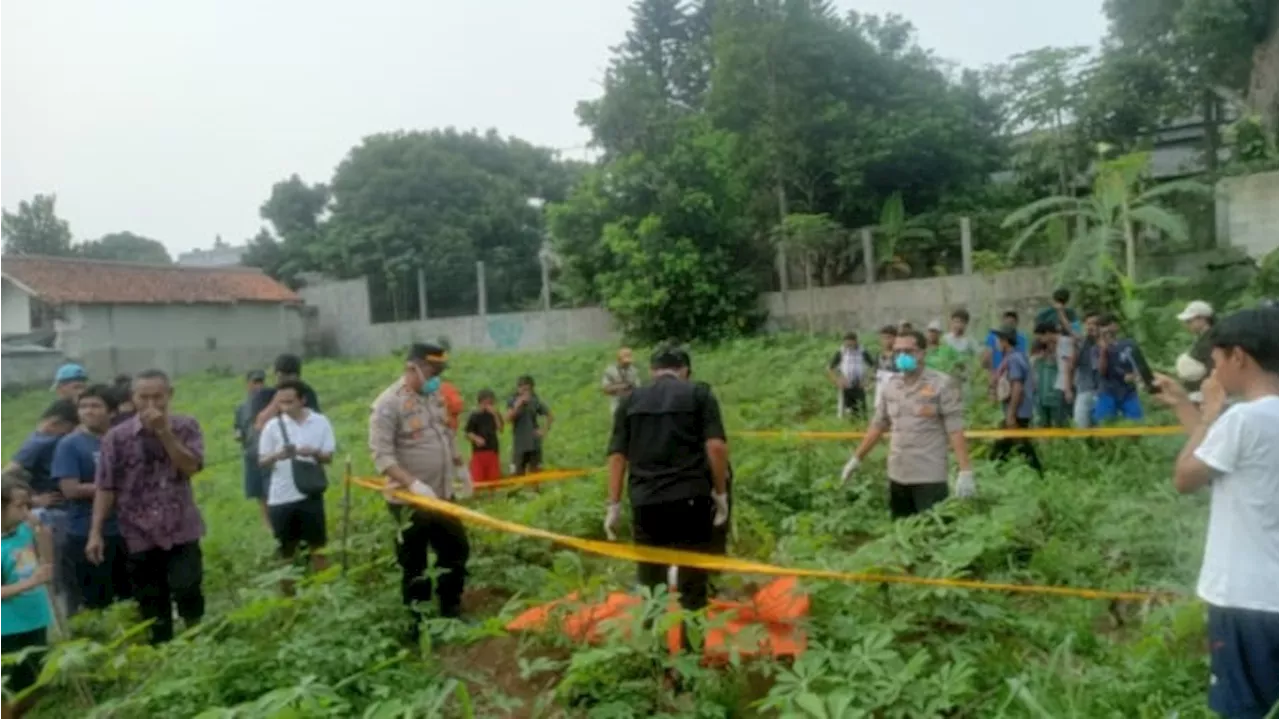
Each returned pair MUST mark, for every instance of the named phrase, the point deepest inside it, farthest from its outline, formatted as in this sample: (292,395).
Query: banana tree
(1108,216)
(893,229)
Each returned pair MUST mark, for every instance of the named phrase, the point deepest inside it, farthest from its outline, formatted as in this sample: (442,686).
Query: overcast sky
(173,119)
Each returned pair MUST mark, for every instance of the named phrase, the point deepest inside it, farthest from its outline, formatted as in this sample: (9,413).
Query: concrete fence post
(808,287)
(481,292)
(546,298)
(422,294)
(869,254)
(783,279)
(966,246)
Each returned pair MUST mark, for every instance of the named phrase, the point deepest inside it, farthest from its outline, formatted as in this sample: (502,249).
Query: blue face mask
(431,386)
(905,362)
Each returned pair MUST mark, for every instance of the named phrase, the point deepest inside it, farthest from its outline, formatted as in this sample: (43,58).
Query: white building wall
(179,339)
(15,305)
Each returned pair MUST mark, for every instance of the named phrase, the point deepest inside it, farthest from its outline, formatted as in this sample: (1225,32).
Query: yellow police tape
(1050,433)
(551,475)
(655,555)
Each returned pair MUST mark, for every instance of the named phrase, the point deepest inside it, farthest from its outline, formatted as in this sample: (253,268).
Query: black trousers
(682,524)
(906,500)
(163,578)
(448,539)
(855,400)
(1001,449)
(97,586)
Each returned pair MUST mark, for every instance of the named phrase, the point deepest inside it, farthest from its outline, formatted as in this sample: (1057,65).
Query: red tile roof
(58,280)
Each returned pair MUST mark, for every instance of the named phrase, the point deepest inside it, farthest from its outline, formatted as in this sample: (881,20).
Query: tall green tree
(439,202)
(125,247)
(35,229)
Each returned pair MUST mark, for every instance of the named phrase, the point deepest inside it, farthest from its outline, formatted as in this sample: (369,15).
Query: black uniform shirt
(662,430)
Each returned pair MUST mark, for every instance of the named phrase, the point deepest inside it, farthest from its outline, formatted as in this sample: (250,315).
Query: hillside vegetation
(1104,516)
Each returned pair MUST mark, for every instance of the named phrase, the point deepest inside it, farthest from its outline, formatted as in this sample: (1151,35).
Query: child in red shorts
(483,427)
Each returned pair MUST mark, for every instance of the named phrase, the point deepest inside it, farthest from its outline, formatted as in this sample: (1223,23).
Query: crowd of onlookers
(1074,369)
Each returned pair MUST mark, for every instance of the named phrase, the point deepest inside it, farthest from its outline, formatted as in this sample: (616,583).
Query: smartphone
(1144,371)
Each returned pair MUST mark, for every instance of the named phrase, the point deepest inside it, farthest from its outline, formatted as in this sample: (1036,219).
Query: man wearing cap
(1196,364)
(246,436)
(69,381)
(849,369)
(668,443)
(413,448)
(923,408)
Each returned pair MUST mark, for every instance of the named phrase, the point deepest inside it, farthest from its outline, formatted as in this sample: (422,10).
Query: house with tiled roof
(116,317)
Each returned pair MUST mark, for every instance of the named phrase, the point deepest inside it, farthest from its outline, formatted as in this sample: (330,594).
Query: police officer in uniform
(924,409)
(412,446)
(668,440)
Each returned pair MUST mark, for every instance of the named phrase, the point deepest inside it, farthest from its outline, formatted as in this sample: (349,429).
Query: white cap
(1198,308)
(935,326)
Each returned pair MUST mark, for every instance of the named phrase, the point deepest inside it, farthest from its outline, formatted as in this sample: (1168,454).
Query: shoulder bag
(308,477)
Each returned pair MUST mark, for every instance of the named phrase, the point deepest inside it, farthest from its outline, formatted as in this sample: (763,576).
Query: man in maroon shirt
(145,468)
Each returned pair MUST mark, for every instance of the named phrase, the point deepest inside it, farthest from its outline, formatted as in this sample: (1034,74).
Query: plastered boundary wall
(343,313)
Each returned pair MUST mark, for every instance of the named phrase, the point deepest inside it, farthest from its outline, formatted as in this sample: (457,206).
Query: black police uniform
(662,429)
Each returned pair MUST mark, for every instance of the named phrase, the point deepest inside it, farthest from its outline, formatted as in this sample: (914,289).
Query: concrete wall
(1246,209)
(15,305)
(109,339)
(29,366)
(343,313)
(343,318)
(867,307)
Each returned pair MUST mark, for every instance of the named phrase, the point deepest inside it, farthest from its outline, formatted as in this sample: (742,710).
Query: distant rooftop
(59,280)
(227,256)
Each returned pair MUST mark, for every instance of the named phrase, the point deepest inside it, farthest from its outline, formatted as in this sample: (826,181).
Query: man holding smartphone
(1121,366)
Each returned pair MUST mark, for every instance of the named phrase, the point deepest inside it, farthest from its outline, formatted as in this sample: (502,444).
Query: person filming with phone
(1121,366)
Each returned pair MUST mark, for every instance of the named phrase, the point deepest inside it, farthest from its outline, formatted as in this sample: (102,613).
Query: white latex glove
(464,476)
(849,468)
(722,508)
(965,486)
(611,520)
(422,490)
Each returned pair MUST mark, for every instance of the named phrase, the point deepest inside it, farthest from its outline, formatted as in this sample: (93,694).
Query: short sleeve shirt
(28,611)
(1018,369)
(525,426)
(613,374)
(36,457)
(662,430)
(77,458)
(314,431)
(921,414)
(1241,566)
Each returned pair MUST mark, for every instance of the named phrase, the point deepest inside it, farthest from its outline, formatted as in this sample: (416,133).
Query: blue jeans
(1243,661)
(1110,406)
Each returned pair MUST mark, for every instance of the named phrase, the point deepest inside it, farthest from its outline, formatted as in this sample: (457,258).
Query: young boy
(26,553)
(523,412)
(482,429)
(884,363)
(1044,362)
(254,380)
(1236,454)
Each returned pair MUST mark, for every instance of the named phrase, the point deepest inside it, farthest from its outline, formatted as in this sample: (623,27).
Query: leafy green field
(1104,516)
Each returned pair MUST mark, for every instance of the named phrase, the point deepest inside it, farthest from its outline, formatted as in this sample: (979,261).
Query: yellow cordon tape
(712,562)
(554,475)
(1100,432)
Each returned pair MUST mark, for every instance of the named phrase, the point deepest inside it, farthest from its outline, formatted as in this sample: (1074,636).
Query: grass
(1104,516)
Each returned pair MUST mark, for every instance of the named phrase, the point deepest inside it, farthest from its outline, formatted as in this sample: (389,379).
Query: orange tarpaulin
(765,626)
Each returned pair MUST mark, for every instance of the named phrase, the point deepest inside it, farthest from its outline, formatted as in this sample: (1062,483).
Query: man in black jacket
(670,437)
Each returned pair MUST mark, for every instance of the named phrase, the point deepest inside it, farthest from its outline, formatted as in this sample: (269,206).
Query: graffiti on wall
(505,332)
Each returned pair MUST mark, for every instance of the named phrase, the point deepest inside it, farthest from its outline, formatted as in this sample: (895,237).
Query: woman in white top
(295,438)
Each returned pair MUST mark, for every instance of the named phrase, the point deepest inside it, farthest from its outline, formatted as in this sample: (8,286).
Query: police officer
(924,408)
(412,445)
(670,437)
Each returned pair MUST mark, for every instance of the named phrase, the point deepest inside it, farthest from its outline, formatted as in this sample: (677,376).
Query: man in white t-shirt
(296,434)
(1236,453)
